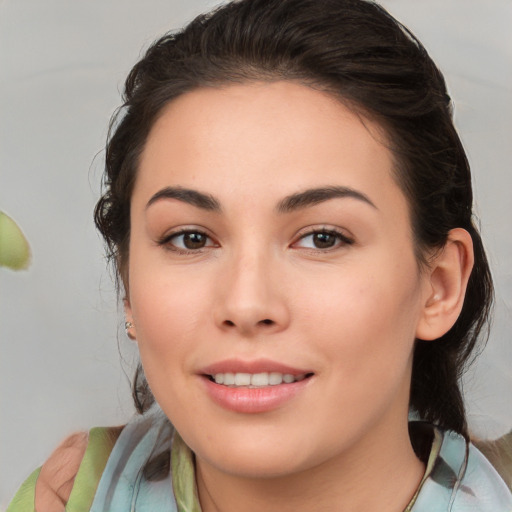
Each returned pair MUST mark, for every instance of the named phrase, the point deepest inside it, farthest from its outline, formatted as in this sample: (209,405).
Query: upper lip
(254,366)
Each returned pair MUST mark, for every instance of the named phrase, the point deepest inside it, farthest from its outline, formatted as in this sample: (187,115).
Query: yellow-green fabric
(25,497)
(112,475)
(183,476)
(100,444)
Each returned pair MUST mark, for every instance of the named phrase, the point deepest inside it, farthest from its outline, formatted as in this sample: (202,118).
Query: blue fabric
(458,478)
(461,480)
(123,486)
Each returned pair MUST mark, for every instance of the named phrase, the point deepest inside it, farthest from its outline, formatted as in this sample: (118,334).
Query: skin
(57,475)
(260,288)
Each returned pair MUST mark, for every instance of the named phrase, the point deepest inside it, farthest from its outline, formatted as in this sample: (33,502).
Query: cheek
(366,317)
(168,309)
(169,315)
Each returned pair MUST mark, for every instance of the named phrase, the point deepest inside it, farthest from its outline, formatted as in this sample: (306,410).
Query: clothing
(115,475)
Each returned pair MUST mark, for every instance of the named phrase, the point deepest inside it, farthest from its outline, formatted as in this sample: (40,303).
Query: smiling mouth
(256,380)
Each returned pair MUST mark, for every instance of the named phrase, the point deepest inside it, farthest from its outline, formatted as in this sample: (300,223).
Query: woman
(289,210)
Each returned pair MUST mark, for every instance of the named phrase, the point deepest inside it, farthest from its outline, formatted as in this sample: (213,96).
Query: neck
(380,472)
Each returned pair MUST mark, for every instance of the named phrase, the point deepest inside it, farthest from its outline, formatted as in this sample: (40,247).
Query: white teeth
(229,379)
(242,379)
(275,378)
(256,379)
(259,379)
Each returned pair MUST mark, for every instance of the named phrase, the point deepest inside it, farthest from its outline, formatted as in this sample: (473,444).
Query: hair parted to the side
(357,52)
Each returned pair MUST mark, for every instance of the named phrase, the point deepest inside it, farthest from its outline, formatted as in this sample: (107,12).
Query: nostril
(266,321)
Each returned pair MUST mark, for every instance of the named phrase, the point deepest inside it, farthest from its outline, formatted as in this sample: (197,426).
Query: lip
(253,400)
(255,366)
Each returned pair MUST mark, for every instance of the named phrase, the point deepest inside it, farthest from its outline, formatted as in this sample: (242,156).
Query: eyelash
(341,239)
(166,241)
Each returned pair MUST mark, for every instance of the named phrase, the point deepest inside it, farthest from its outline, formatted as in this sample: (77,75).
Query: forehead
(264,139)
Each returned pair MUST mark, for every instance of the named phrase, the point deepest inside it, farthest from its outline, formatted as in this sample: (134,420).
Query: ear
(129,323)
(447,280)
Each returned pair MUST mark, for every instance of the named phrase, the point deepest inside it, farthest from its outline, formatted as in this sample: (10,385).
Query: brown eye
(194,240)
(187,241)
(323,240)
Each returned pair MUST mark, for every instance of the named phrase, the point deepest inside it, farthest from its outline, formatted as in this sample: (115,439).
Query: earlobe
(129,325)
(448,277)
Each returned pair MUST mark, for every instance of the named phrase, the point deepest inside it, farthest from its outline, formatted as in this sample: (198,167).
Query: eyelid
(165,240)
(343,238)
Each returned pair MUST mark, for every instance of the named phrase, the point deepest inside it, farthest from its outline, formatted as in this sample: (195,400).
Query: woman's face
(270,243)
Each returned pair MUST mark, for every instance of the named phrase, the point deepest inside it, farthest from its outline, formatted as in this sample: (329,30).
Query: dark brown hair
(360,54)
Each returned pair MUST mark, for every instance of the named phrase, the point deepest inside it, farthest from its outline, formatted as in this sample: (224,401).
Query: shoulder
(499,454)
(475,483)
(58,473)
(78,461)
(459,478)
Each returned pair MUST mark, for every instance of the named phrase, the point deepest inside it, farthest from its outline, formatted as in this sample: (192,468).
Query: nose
(251,298)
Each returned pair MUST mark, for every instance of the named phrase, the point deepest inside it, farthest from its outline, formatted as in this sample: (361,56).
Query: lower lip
(253,400)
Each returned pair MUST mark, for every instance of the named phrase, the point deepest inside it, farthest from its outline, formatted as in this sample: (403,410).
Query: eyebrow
(291,203)
(186,195)
(314,196)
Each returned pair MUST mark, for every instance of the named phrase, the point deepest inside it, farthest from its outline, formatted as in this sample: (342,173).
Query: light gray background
(62,64)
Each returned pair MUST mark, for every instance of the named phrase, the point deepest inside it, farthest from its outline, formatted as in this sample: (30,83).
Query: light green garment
(99,448)
(25,497)
(151,469)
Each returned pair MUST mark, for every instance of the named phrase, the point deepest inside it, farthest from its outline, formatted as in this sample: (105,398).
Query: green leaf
(14,248)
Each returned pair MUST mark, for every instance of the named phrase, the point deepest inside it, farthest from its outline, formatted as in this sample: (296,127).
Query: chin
(258,465)
(249,453)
